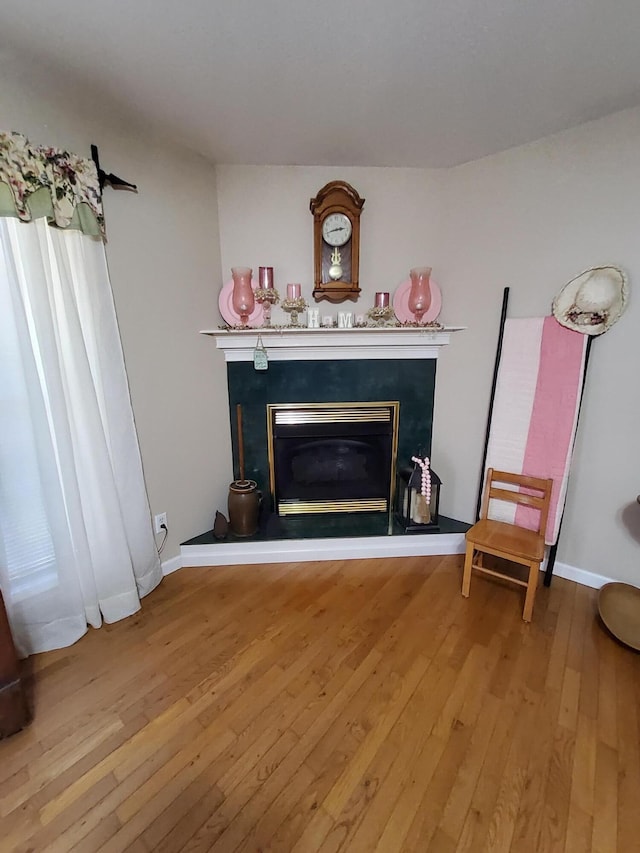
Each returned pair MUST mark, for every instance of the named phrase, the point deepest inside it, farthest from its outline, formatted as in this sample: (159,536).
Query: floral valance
(38,181)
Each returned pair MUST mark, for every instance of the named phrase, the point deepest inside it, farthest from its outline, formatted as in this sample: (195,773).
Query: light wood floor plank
(332,707)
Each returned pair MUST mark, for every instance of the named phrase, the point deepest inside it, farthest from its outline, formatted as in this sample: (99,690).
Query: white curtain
(76,542)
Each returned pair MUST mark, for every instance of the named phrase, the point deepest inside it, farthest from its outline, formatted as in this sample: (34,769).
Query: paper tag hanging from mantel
(260,358)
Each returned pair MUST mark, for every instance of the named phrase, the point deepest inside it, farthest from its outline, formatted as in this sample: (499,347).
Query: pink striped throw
(535,410)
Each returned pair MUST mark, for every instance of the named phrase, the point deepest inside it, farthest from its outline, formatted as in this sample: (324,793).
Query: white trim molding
(289,344)
(581,576)
(360,548)
(309,550)
(172,565)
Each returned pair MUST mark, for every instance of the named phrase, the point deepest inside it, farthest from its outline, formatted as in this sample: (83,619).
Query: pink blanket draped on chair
(535,411)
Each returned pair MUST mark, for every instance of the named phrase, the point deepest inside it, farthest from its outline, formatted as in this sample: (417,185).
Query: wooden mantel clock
(336,242)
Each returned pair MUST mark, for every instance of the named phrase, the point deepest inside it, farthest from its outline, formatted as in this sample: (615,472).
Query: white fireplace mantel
(289,344)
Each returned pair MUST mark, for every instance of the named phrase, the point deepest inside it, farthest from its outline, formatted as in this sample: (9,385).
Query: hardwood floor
(361,705)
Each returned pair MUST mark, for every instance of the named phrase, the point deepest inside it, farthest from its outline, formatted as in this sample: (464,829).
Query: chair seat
(503,538)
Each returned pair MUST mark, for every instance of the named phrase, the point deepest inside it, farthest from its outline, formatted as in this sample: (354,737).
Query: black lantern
(412,510)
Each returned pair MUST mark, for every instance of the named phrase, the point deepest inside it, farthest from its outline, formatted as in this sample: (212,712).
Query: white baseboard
(581,576)
(306,550)
(172,565)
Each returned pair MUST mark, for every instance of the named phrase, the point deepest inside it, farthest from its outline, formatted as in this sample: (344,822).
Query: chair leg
(532,587)
(466,575)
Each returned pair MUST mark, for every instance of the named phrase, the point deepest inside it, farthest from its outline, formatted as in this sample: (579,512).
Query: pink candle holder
(420,292)
(242,299)
(382,300)
(267,297)
(294,303)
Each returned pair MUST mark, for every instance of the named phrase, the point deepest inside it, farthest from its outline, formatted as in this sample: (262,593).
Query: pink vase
(242,299)
(420,292)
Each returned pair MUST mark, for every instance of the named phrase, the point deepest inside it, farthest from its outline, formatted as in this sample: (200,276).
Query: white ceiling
(341,82)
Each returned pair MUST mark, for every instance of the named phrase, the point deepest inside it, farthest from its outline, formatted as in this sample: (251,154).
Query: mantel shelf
(291,344)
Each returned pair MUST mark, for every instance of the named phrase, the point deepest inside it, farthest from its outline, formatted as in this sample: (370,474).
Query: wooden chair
(509,541)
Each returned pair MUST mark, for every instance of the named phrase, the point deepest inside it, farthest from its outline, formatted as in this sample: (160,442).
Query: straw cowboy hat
(592,301)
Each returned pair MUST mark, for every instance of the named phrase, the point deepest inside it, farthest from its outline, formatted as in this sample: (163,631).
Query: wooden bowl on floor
(619,608)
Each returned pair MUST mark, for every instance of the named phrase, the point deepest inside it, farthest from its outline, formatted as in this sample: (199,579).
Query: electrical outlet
(159,520)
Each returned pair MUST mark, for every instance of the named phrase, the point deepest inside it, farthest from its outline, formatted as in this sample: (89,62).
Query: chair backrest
(526,493)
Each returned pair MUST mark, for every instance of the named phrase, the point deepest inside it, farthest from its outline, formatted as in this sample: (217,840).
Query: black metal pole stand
(553,550)
(503,317)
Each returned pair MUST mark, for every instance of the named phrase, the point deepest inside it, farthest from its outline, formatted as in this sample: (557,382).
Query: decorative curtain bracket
(110,179)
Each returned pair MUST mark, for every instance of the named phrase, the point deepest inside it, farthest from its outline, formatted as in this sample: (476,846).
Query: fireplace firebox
(332,457)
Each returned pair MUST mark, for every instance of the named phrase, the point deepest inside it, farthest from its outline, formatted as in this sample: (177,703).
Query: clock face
(336,229)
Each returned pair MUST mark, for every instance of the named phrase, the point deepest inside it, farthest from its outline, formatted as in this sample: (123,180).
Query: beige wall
(164,261)
(530,218)
(265,221)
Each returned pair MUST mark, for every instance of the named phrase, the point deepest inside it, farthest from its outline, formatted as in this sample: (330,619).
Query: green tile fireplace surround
(328,366)
(412,383)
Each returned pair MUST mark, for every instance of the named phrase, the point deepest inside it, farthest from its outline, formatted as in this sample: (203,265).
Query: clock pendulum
(335,270)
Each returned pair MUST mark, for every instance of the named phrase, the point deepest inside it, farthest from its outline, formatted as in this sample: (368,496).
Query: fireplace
(332,457)
(328,366)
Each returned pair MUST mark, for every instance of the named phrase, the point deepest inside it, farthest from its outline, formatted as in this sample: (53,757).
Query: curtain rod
(112,180)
